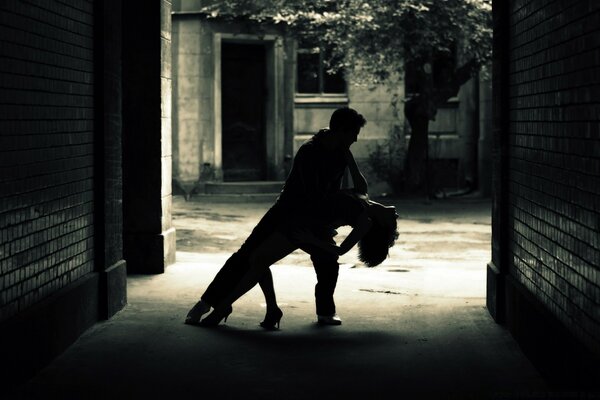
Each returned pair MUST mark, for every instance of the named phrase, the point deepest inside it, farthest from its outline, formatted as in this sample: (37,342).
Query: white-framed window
(313,76)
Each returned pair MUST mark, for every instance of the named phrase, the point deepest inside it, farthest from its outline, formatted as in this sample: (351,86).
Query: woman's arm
(362,226)
(358,179)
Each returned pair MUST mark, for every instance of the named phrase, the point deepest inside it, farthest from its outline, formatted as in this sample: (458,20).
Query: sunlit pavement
(414,327)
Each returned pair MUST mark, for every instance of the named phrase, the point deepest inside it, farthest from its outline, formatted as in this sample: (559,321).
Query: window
(313,77)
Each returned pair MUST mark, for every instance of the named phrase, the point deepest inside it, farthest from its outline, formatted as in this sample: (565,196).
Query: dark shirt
(344,207)
(316,173)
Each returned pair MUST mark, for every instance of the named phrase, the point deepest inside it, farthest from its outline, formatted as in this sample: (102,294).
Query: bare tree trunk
(421,108)
(468,130)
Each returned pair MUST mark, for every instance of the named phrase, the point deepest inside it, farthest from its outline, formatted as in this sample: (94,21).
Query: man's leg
(327,268)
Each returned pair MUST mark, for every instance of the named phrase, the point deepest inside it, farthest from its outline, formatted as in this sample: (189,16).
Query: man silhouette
(316,173)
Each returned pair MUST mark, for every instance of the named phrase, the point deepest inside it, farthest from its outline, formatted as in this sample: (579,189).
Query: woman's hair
(374,247)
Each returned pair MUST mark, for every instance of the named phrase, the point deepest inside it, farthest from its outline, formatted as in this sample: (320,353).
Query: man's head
(347,123)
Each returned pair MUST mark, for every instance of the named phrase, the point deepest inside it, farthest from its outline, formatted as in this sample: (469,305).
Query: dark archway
(148,235)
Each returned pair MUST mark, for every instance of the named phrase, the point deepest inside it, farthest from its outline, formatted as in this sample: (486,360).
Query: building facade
(246,96)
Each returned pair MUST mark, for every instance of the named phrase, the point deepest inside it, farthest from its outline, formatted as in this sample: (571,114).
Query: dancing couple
(309,208)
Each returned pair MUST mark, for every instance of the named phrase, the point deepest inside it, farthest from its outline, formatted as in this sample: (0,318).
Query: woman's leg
(271,250)
(266,285)
(237,264)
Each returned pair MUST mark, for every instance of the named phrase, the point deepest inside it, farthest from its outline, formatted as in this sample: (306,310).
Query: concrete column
(468,131)
(289,91)
(191,67)
(484,153)
(108,209)
(149,237)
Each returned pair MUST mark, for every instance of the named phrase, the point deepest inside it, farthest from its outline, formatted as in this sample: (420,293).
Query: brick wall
(108,131)
(46,149)
(554,158)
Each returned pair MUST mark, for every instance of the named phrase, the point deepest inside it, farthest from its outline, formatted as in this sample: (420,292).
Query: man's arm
(358,179)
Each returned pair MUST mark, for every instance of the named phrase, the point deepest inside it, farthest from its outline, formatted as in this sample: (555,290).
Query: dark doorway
(243,111)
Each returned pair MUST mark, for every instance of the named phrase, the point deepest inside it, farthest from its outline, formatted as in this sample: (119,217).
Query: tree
(437,45)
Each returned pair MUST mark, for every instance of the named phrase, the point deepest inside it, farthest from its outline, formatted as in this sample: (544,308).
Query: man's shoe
(329,319)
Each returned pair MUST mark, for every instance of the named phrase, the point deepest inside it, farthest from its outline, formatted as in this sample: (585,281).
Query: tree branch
(460,76)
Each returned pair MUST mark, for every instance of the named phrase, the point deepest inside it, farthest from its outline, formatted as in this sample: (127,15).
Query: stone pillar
(484,153)
(108,209)
(149,237)
(192,72)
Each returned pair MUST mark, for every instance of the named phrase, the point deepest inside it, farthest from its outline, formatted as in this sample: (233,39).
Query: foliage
(374,39)
(386,159)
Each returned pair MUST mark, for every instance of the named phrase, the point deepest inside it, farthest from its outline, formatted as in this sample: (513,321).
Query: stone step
(249,188)
(234,198)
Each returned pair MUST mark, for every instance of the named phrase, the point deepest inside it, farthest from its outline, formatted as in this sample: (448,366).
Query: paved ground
(414,327)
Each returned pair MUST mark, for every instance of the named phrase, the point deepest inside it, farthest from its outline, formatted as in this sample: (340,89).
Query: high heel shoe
(272,318)
(213,319)
(194,315)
